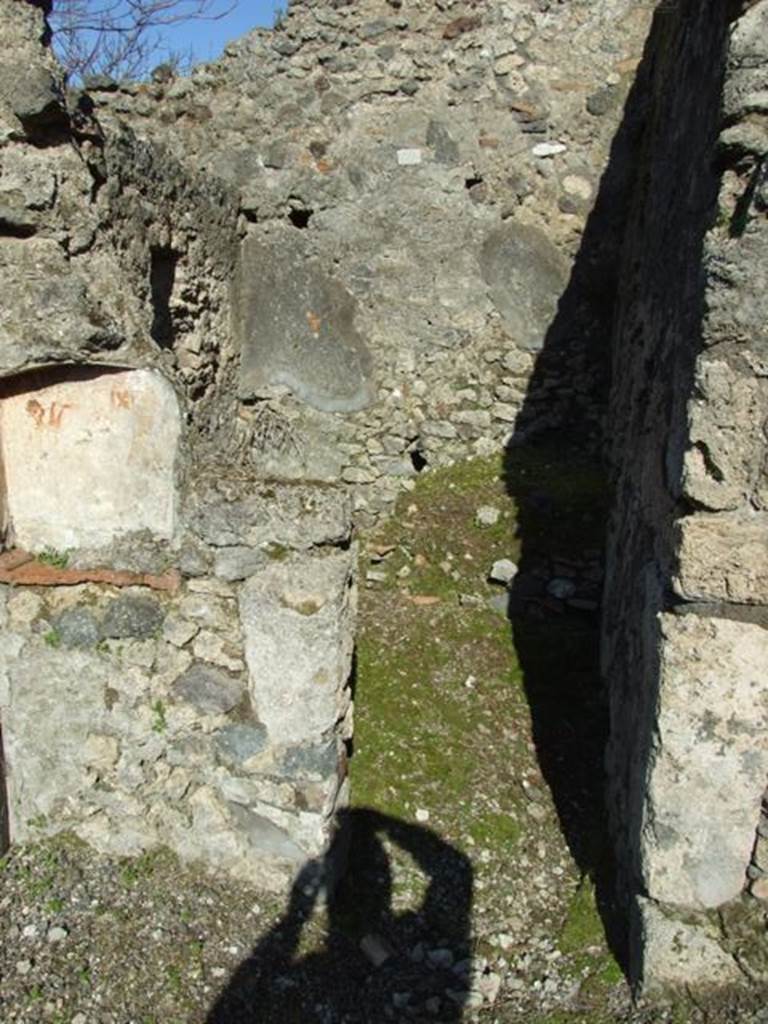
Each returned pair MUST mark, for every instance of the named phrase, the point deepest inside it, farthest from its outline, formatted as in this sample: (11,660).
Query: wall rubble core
(346,251)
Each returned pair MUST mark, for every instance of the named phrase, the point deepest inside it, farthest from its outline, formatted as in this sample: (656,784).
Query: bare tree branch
(121,38)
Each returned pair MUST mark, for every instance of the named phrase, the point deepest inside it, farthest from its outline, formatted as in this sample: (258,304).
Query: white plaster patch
(545,149)
(408,157)
(90,460)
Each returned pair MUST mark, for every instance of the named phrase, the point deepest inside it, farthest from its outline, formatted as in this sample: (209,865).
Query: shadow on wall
(554,472)
(357,967)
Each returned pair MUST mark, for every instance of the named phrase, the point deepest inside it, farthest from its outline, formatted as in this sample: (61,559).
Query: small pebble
(422,814)
(488,986)
(23,966)
(487,515)
(440,957)
(376,948)
(503,571)
(417,953)
(544,149)
(57,934)
(561,588)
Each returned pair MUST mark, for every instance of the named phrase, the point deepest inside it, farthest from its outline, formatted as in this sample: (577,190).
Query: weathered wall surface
(148,577)
(685,641)
(203,713)
(413,181)
(340,253)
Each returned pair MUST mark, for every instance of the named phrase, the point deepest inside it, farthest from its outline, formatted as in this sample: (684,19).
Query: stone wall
(175,634)
(203,711)
(244,308)
(685,643)
(413,181)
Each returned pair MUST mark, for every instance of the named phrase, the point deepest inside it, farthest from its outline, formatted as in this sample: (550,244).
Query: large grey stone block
(233,515)
(526,276)
(676,954)
(296,327)
(56,702)
(723,557)
(725,453)
(297,619)
(708,769)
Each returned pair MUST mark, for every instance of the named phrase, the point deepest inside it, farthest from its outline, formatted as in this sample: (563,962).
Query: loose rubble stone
(487,515)
(503,571)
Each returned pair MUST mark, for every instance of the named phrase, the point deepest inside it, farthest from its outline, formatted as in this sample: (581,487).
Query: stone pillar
(685,643)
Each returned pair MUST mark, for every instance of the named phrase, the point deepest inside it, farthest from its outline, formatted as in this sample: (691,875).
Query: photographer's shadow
(374,964)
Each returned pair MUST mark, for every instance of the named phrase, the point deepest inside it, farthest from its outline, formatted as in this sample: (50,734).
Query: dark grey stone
(35,97)
(129,616)
(561,588)
(236,743)
(296,327)
(526,276)
(209,689)
(445,149)
(603,101)
(318,759)
(77,627)
(374,29)
(285,47)
(100,83)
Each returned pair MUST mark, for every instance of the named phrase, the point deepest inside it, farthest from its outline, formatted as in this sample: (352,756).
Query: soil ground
(479,881)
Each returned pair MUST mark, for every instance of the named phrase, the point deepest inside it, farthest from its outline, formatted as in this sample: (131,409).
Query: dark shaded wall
(685,437)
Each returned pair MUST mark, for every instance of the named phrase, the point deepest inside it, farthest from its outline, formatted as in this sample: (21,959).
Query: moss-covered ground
(463,714)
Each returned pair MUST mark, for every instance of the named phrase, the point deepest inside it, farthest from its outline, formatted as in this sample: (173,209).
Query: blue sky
(192,39)
(207,39)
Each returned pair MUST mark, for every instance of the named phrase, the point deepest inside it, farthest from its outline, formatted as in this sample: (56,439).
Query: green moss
(418,722)
(53,638)
(276,552)
(159,722)
(308,606)
(56,559)
(447,692)
(138,869)
(582,926)
(495,830)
